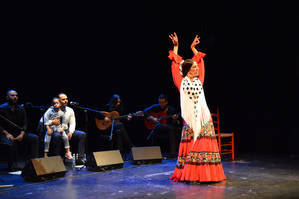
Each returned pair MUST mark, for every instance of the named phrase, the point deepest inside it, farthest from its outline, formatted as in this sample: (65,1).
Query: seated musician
(162,118)
(13,131)
(117,132)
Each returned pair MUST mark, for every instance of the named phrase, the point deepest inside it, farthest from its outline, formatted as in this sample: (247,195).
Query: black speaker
(104,160)
(146,155)
(41,169)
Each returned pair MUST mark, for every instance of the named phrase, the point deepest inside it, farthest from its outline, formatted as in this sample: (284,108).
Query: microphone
(28,105)
(74,103)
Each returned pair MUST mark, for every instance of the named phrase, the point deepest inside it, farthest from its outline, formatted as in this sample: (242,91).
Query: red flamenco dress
(198,159)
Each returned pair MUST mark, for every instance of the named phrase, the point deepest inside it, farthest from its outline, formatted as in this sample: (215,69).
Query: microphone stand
(41,129)
(88,109)
(111,132)
(85,109)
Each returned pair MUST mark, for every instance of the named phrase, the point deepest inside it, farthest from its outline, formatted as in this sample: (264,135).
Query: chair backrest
(216,121)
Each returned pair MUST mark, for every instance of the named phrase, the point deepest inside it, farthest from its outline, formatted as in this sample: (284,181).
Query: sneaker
(14,171)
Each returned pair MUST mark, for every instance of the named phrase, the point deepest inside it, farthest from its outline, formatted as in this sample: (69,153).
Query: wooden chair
(225,140)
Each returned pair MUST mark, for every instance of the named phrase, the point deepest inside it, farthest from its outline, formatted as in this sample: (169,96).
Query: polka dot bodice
(193,90)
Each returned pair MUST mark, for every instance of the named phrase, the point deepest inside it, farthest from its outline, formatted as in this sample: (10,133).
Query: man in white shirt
(76,137)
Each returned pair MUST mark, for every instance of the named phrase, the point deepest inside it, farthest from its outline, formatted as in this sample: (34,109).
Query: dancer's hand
(175,42)
(195,41)
(174,39)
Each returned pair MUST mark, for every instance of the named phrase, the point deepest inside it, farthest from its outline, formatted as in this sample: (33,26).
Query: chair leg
(233,147)
(219,146)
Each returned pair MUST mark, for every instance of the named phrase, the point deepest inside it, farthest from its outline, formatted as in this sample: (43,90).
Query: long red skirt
(199,161)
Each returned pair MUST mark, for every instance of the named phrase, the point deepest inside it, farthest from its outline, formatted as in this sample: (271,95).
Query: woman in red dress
(199,159)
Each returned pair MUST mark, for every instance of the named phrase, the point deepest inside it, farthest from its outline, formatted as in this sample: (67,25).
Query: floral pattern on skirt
(199,160)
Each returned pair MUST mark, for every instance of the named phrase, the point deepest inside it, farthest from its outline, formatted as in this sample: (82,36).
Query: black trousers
(28,148)
(77,141)
(170,132)
(120,138)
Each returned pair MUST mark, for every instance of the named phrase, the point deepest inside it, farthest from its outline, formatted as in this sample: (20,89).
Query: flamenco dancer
(199,159)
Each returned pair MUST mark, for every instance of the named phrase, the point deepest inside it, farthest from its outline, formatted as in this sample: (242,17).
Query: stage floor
(248,177)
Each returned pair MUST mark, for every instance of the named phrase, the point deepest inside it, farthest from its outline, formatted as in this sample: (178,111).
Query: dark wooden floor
(247,177)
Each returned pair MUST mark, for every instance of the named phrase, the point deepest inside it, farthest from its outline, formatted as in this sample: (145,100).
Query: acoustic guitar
(113,116)
(162,119)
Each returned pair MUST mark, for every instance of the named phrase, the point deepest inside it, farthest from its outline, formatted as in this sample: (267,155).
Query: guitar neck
(119,117)
(164,117)
(138,113)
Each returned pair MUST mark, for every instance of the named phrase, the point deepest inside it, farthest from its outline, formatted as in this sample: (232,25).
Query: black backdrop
(93,51)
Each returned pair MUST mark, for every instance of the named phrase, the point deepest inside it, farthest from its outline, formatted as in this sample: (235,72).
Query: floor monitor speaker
(104,160)
(145,155)
(41,169)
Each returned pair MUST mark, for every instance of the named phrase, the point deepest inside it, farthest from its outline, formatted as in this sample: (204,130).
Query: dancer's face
(193,72)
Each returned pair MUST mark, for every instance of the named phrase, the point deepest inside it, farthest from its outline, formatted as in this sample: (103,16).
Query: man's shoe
(80,161)
(14,171)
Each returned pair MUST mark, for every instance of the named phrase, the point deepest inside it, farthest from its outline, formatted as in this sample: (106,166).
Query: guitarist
(162,118)
(119,137)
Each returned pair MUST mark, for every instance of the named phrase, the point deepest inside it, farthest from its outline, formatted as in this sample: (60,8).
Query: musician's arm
(2,130)
(172,112)
(24,126)
(147,112)
(25,121)
(20,136)
(72,122)
(8,135)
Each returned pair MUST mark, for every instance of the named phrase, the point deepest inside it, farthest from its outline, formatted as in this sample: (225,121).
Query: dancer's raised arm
(194,43)
(175,42)
(198,58)
(176,60)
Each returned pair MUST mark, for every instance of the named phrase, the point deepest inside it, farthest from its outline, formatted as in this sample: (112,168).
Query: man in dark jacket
(13,127)
(162,119)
